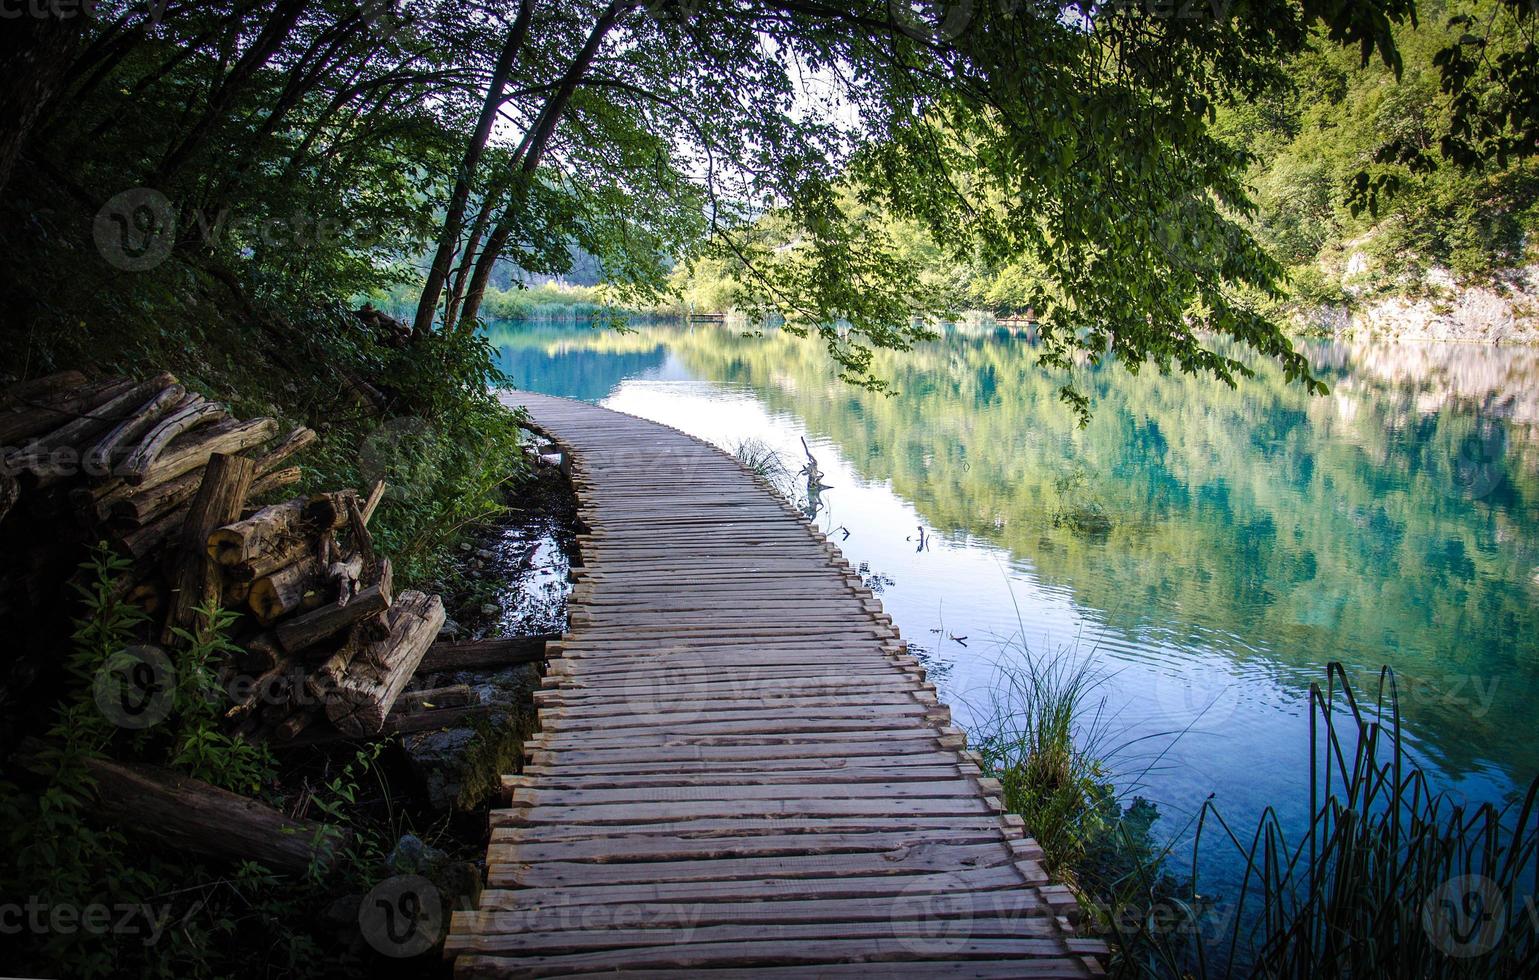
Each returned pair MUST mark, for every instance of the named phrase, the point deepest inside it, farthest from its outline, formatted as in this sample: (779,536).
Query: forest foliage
(281,155)
(1344,158)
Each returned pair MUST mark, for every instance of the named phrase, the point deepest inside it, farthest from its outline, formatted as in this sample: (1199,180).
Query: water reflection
(1255,533)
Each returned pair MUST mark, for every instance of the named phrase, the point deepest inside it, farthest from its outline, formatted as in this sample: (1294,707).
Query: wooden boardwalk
(740,768)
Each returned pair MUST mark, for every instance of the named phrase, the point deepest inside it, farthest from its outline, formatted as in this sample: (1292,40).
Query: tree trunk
(454,217)
(299,586)
(37,55)
(533,152)
(477,654)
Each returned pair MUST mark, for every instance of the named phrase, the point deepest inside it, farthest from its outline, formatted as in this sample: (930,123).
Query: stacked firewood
(171,482)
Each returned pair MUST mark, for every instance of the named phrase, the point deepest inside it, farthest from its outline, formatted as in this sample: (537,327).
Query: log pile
(176,486)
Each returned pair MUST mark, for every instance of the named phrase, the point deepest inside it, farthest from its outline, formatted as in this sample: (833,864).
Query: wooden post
(195,579)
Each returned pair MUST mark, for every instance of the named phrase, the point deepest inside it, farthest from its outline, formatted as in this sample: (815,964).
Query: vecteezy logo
(135,230)
(402,916)
(1466,916)
(931,920)
(932,20)
(136,687)
(1480,466)
(1204,699)
(371,12)
(673,11)
(398,452)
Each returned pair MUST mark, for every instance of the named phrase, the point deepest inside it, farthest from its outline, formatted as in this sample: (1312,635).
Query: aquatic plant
(1390,878)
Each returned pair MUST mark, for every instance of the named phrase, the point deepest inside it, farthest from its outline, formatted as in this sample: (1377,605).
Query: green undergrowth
(171,914)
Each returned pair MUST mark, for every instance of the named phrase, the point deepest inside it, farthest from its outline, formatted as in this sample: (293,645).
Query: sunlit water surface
(1256,534)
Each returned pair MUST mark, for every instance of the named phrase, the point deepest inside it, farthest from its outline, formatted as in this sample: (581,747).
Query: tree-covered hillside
(1340,119)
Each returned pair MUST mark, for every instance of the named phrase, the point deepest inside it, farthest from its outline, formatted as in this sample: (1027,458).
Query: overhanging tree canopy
(1071,139)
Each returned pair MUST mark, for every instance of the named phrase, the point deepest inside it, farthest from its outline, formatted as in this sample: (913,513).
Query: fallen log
(286,553)
(447,656)
(184,814)
(360,702)
(194,578)
(304,632)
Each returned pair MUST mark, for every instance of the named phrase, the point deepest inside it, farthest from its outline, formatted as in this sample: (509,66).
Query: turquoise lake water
(1255,534)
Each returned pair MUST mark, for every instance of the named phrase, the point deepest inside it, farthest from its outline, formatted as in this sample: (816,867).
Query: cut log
(192,449)
(41,390)
(286,553)
(325,511)
(304,632)
(271,527)
(359,704)
(90,424)
(291,589)
(276,480)
(141,542)
(286,447)
(28,421)
(193,411)
(151,502)
(258,654)
(149,595)
(343,577)
(100,458)
(195,579)
(482,654)
(183,814)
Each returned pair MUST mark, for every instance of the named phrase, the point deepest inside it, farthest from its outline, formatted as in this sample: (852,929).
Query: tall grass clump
(1047,736)
(1390,878)
(767,464)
